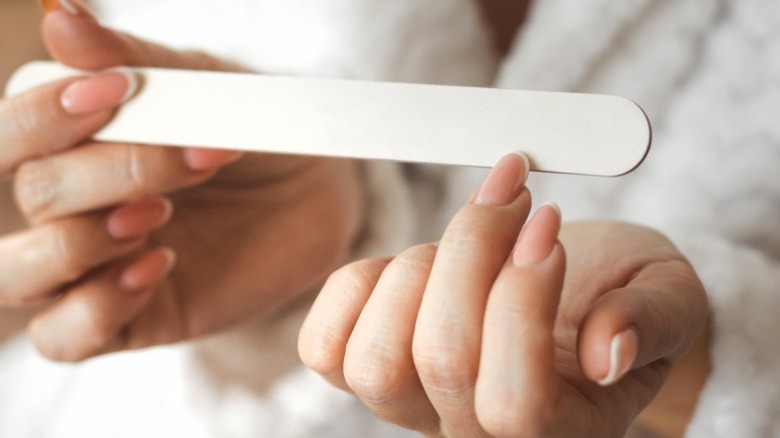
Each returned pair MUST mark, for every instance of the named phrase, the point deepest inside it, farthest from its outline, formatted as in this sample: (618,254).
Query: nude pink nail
(148,270)
(100,92)
(139,218)
(538,237)
(505,181)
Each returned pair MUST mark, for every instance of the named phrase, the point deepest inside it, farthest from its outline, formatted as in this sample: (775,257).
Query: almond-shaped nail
(622,354)
(200,159)
(538,237)
(147,270)
(139,218)
(100,92)
(505,181)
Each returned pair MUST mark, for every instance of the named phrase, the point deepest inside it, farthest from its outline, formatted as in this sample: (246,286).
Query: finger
(57,116)
(472,251)
(655,317)
(88,319)
(378,365)
(325,332)
(78,40)
(517,386)
(36,263)
(99,175)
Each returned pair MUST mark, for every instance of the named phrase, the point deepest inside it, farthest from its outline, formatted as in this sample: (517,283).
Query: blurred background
(20,42)
(20,39)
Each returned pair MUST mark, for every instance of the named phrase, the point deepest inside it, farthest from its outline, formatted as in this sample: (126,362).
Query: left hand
(481,336)
(251,236)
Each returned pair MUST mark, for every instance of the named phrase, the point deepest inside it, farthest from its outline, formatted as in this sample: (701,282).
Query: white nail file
(560,132)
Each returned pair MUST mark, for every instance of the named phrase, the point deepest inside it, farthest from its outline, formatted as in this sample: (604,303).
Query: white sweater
(706,71)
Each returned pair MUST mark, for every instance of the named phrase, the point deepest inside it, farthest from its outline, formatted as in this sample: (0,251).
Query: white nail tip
(527,163)
(132,82)
(69,6)
(615,355)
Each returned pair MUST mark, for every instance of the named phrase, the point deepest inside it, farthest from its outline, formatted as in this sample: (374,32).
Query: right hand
(251,233)
(495,331)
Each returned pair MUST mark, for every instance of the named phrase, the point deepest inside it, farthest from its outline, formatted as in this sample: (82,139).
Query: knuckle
(445,368)
(374,377)
(135,172)
(353,278)
(35,188)
(25,118)
(469,233)
(415,263)
(62,243)
(321,353)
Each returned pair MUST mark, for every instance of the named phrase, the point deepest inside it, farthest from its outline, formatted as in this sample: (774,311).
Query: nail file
(560,132)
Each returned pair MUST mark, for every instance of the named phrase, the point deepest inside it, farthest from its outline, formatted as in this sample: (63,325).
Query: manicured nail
(199,159)
(622,353)
(148,270)
(100,92)
(139,218)
(505,181)
(538,237)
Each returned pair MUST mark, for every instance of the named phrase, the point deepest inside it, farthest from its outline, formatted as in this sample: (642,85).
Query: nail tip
(615,355)
(69,6)
(618,367)
(132,82)
(527,163)
(553,205)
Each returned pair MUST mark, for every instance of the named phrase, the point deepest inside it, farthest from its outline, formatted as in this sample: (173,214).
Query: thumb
(75,38)
(656,316)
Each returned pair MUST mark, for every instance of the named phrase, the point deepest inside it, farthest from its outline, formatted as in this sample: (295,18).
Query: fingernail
(622,353)
(148,270)
(505,181)
(199,159)
(100,92)
(538,237)
(139,218)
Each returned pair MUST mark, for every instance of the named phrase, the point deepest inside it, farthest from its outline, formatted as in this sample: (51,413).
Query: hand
(483,334)
(250,234)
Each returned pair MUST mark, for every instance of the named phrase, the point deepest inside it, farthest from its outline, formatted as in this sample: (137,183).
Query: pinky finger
(331,320)
(88,317)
